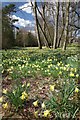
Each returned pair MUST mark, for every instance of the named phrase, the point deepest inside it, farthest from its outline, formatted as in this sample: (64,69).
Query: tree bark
(43,29)
(56,26)
(37,27)
(66,26)
(44,35)
(44,26)
(63,26)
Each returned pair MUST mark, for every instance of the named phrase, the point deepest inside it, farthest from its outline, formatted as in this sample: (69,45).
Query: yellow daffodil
(28,84)
(64,68)
(58,64)
(46,113)
(24,93)
(35,103)
(77,75)
(36,114)
(1,99)
(43,105)
(49,65)
(52,87)
(23,85)
(60,73)
(76,90)
(71,74)
(5,106)
(23,97)
(5,91)
(14,92)
(28,71)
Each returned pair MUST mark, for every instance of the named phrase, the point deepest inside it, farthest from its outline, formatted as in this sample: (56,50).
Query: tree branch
(74,26)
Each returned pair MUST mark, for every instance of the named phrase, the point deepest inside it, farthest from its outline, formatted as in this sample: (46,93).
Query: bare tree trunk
(56,26)
(66,26)
(44,35)
(37,27)
(63,26)
(46,27)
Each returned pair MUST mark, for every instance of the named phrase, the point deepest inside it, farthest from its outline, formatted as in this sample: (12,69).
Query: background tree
(66,26)
(26,39)
(56,25)
(7,28)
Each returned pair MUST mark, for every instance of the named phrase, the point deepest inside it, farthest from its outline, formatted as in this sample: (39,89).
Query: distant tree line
(26,39)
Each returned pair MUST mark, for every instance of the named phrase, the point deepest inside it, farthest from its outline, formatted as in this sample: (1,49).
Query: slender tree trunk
(46,27)
(56,26)
(66,26)
(63,26)
(44,35)
(37,27)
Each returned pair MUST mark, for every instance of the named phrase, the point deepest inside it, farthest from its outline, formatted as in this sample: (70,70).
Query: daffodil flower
(36,114)
(77,75)
(46,113)
(5,91)
(52,87)
(35,103)
(1,99)
(43,105)
(23,97)
(5,106)
(71,74)
(28,84)
(76,90)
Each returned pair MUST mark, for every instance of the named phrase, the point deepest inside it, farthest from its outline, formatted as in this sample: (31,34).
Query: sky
(24,15)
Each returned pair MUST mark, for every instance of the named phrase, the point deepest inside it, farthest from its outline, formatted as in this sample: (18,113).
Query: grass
(41,68)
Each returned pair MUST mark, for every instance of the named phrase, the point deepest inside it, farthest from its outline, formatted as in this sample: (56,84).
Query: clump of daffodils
(24,95)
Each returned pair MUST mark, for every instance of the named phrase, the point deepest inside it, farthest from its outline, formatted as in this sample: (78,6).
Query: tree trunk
(44,35)
(47,42)
(56,26)
(37,27)
(66,26)
(63,26)
(44,26)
